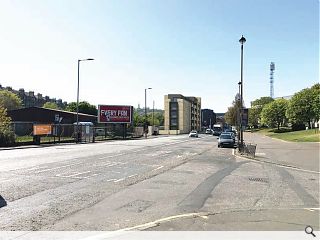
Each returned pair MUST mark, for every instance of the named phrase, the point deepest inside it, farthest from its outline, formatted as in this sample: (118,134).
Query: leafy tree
(274,113)
(9,100)
(138,120)
(232,115)
(6,135)
(84,107)
(256,108)
(303,106)
(316,100)
(50,105)
(158,119)
(139,117)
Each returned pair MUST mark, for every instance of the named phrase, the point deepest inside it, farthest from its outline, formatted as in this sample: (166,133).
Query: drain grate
(259,179)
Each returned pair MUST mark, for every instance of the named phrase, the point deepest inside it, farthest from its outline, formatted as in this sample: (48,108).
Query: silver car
(193,133)
(226,140)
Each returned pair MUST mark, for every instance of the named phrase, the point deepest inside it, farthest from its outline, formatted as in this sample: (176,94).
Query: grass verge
(311,135)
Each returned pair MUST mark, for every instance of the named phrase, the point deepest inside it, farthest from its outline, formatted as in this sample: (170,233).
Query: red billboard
(114,114)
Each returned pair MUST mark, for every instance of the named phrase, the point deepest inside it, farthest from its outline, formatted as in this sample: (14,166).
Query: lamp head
(242,40)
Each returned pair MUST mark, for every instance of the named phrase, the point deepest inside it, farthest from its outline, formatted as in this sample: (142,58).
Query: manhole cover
(259,179)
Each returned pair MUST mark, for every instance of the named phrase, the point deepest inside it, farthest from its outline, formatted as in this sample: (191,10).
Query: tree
(50,105)
(9,100)
(138,120)
(84,107)
(158,119)
(256,108)
(304,106)
(6,135)
(232,115)
(139,117)
(274,113)
(316,100)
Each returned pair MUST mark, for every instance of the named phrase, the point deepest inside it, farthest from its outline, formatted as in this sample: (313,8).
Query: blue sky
(172,46)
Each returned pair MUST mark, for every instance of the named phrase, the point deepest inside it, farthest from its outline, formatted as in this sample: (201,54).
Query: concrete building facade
(181,114)
(208,119)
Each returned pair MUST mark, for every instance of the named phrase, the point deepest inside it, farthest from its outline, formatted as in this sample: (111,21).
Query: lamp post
(153,114)
(238,113)
(242,41)
(79,60)
(145,111)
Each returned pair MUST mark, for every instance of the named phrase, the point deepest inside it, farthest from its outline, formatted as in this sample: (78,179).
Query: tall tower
(272,68)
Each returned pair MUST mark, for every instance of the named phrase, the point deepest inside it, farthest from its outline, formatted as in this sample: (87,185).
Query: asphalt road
(165,183)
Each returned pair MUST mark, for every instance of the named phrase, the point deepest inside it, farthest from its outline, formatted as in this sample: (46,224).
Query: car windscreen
(225,136)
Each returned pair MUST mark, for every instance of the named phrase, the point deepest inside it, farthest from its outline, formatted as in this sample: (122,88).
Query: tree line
(303,109)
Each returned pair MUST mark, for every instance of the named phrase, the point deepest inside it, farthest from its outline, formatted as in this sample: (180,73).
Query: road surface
(163,183)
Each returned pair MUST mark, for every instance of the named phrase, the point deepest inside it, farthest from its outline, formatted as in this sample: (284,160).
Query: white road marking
(111,180)
(119,180)
(157,168)
(117,155)
(7,180)
(50,169)
(132,175)
(72,175)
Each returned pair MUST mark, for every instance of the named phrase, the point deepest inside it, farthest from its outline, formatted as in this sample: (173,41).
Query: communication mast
(272,68)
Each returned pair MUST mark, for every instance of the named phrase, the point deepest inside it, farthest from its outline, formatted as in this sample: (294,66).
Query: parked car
(230,133)
(208,131)
(193,133)
(226,140)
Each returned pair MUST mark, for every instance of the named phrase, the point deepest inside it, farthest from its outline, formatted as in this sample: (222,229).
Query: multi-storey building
(181,114)
(29,99)
(208,118)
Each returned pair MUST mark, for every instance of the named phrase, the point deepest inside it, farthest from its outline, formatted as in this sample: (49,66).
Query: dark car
(226,140)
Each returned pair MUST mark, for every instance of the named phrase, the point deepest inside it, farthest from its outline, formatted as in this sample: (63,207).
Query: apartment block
(181,114)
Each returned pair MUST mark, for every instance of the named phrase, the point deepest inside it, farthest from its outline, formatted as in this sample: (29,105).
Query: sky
(188,47)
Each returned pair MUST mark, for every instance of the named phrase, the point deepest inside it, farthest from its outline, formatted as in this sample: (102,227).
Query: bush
(282,130)
(6,138)
(298,127)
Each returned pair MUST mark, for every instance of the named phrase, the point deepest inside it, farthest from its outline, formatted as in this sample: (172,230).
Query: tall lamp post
(79,60)
(145,111)
(242,41)
(238,113)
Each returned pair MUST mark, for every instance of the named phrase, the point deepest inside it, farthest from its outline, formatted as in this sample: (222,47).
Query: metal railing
(248,149)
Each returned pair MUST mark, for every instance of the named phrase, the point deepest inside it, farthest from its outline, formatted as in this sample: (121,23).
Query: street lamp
(145,111)
(242,41)
(78,132)
(238,112)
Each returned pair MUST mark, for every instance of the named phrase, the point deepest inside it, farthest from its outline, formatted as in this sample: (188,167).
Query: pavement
(302,155)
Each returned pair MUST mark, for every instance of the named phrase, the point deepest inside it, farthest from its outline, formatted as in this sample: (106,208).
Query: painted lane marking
(119,180)
(133,175)
(50,169)
(111,180)
(117,155)
(7,180)
(72,175)
(157,168)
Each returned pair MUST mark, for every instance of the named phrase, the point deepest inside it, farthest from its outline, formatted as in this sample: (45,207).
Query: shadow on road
(3,202)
